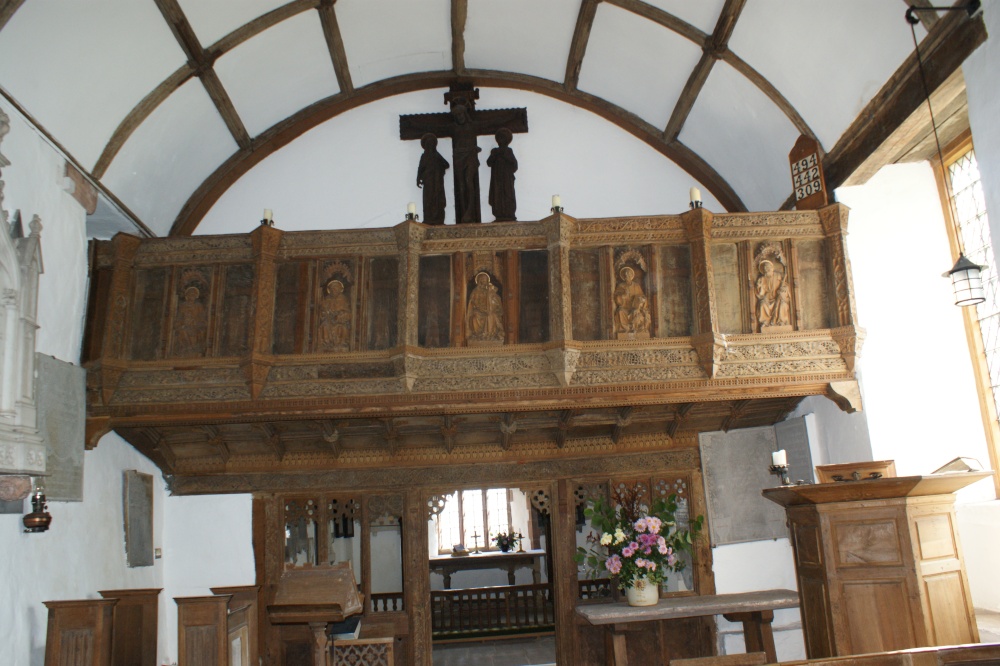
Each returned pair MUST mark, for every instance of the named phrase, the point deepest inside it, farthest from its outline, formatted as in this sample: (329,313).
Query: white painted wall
(207,542)
(354,171)
(84,550)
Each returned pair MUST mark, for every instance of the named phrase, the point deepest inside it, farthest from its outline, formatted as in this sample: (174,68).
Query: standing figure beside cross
(463,124)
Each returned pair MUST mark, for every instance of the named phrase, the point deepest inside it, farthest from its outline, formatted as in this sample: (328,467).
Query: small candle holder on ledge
(411,212)
(268,219)
(782,471)
(556,204)
(695,197)
(779,466)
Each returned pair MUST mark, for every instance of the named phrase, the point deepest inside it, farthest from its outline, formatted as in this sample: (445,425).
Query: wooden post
(559,228)
(409,237)
(707,340)
(258,361)
(564,570)
(416,577)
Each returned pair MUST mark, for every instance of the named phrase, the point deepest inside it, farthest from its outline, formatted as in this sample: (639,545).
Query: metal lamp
(965,275)
(966,281)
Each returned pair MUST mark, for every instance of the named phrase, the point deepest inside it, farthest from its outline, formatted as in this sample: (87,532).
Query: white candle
(411,208)
(268,214)
(556,201)
(779,458)
(695,194)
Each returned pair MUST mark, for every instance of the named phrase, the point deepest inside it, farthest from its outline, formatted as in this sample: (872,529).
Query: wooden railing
(599,588)
(505,609)
(387,602)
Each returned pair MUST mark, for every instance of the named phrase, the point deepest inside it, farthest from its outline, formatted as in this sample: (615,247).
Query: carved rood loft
(229,360)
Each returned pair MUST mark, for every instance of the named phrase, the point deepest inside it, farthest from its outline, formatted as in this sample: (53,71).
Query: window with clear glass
(473,517)
(969,231)
(972,223)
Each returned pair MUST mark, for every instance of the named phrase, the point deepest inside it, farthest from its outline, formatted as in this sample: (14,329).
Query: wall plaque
(61,399)
(138,505)
(735,467)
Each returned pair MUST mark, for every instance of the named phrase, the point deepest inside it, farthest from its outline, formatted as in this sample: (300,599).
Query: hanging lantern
(966,281)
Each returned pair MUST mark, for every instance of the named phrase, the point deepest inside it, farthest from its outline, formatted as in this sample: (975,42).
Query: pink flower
(654,524)
(651,565)
(661,545)
(613,564)
(672,559)
(639,562)
(641,524)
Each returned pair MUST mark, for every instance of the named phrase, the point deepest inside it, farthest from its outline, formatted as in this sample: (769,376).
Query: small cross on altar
(462,125)
(475,540)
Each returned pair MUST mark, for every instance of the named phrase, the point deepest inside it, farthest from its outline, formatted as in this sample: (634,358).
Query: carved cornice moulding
(393,478)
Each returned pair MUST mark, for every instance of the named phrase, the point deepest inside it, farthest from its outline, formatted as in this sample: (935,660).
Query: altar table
(511,561)
(754,609)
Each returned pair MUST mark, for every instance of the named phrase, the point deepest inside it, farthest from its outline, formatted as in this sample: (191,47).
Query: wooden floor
(504,652)
(542,651)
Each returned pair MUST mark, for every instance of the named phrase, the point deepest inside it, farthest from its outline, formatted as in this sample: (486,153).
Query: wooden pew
(79,632)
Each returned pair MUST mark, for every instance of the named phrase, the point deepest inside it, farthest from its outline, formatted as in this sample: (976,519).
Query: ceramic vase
(642,593)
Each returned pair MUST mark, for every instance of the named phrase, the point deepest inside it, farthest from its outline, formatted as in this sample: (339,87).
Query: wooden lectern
(879,563)
(316,597)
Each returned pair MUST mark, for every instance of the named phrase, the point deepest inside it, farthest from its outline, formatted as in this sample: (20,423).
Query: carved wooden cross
(462,125)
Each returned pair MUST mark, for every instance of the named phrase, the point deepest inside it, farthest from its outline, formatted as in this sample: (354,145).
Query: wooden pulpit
(879,563)
(317,597)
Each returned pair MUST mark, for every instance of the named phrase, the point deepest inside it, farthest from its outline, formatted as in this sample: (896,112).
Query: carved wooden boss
(228,359)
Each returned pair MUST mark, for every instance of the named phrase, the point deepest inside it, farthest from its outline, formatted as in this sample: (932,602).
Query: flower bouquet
(636,544)
(506,542)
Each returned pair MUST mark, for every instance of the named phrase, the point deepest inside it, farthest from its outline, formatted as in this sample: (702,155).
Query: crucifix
(462,125)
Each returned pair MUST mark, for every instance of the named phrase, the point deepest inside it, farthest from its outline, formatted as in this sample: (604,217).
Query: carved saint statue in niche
(430,177)
(631,316)
(192,324)
(773,297)
(484,314)
(334,318)
(502,165)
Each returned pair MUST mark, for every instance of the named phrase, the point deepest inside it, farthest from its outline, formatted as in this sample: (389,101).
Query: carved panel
(585,266)
(434,326)
(385,510)
(484,311)
(335,307)
(191,306)
(630,311)
(290,311)
(382,302)
(533,325)
(772,289)
(867,544)
(149,300)
(728,287)
(237,302)
(812,298)
(675,315)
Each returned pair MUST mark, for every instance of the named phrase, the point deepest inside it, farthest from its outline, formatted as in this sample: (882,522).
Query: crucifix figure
(462,125)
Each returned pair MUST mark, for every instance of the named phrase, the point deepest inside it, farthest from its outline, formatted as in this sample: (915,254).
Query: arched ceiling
(187,95)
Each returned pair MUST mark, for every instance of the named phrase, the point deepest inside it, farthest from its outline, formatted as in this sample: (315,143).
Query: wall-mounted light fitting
(39,519)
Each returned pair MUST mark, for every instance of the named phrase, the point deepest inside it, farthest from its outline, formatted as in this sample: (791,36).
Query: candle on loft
(411,208)
(779,458)
(556,203)
(695,197)
(268,214)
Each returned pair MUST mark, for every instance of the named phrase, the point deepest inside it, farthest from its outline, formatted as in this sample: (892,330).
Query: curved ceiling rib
(283,133)
(201,64)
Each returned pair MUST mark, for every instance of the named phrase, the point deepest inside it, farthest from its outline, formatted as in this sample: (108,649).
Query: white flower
(619,536)
(606,539)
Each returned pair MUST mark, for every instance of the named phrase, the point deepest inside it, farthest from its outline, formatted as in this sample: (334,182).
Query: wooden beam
(149,103)
(688,96)
(713,47)
(284,132)
(137,115)
(201,61)
(7,9)
(927,19)
(459,16)
(335,43)
(666,19)
(578,47)
(943,50)
(772,93)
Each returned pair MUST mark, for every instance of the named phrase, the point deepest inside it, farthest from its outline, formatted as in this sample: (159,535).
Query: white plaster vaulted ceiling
(166,103)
